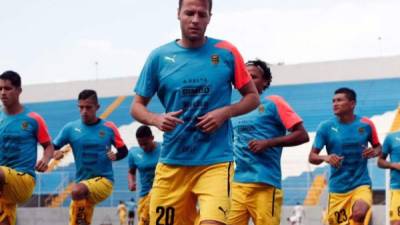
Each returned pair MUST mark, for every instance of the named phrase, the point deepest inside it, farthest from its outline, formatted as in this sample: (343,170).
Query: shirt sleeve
(374,139)
(117,140)
(241,75)
(319,141)
(286,114)
(62,138)
(131,160)
(147,84)
(387,145)
(42,133)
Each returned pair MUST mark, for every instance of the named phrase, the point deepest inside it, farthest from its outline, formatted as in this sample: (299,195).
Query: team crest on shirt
(361,130)
(24,125)
(102,133)
(261,108)
(215,59)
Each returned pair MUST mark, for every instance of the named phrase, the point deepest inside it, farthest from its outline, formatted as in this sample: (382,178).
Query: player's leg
(213,188)
(85,195)
(266,203)
(361,204)
(144,210)
(172,202)
(17,188)
(339,208)
(395,207)
(239,214)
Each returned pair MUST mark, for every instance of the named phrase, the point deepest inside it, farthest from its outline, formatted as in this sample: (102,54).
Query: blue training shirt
(347,140)
(90,144)
(145,163)
(391,146)
(270,120)
(196,80)
(19,136)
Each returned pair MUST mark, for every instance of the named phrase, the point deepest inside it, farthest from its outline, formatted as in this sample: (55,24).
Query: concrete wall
(108,216)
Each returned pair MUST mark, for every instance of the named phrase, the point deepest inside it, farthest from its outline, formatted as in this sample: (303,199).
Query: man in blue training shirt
(91,139)
(258,140)
(391,147)
(346,138)
(193,79)
(20,132)
(143,159)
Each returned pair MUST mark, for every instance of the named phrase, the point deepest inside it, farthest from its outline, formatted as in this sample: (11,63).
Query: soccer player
(193,79)
(143,159)
(391,147)
(91,139)
(20,132)
(258,140)
(346,138)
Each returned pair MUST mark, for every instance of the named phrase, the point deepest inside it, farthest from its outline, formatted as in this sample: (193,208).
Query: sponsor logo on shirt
(215,59)
(77,130)
(261,108)
(334,129)
(195,90)
(361,130)
(102,133)
(170,59)
(25,125)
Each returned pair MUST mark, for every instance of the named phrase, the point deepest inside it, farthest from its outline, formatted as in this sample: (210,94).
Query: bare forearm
(140,113)
(294,138)
(48,152)
(316,159)
(248,103)
(382,163)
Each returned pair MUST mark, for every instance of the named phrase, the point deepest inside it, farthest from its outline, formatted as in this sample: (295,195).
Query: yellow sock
(89,212)
(77,215)
(8,212)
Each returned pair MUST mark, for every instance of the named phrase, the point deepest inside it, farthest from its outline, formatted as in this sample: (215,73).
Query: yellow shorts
(99,189)
(144,210)
(395,205)
(178,190)
(340,204)
(17,189)
(261,202)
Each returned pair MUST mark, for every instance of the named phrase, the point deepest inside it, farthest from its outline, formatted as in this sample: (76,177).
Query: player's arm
(132,179)
(315,158)
(48,151)
(376,149)
(121,153)
(297,135)
(385,164)
(164,122)
(214,119)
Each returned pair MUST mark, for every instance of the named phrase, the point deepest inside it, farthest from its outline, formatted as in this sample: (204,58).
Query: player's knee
(2,177)
(79,191)
(358,215)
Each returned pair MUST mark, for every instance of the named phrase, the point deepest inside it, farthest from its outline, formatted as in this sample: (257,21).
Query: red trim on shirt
(288,116)
(242,76)
(117,137)
(375,138)
(42,134)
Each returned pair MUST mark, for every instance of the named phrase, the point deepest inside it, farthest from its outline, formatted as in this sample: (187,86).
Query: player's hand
(334,160)
(395,166)
(257,146)
(58,155)
(369,152)
(211,121)
(168,122)
(111,155)
(42,164)
(132,186)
